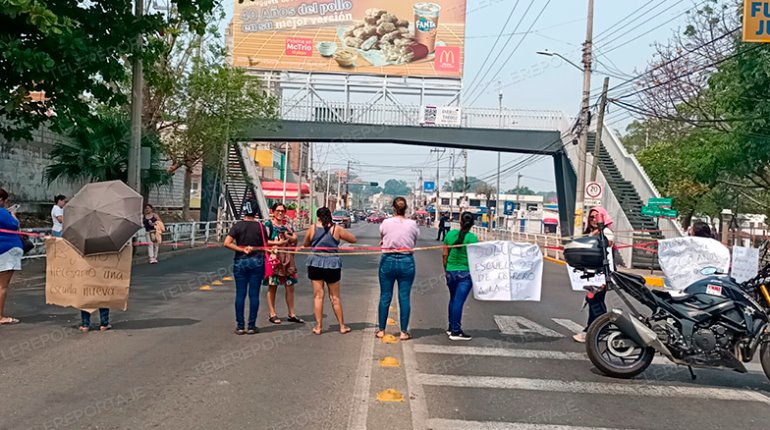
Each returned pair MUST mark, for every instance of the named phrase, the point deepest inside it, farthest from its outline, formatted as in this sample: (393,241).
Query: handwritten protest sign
(579,283)
(745,263)
(682,259)
(95,281)
(506,271)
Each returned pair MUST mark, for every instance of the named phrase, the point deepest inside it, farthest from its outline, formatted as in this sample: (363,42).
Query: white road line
(442,424)
(538,354)
(568,324)
(520,326)
(614,389)
(360,410)
(417,402)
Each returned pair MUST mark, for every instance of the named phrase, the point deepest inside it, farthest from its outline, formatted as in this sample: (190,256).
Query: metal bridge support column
(565,190)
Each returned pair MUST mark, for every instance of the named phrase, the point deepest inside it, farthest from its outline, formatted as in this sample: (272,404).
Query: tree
(76,53)
(524,191)
(457,184)
(486,190)
(98,151)
(396,187)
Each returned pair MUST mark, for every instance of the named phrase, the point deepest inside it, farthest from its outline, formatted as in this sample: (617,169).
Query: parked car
(342,217)
(376,218)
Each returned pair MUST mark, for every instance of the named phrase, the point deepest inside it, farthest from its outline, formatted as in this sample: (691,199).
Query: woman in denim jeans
(399,236)
(458,275)
(246,238)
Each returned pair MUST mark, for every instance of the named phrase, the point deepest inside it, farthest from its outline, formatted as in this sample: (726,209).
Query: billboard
(397,37)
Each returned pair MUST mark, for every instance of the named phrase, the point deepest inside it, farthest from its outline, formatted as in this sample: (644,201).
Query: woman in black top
(247,238)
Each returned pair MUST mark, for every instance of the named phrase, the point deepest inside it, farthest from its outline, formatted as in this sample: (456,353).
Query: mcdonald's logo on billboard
(447,59)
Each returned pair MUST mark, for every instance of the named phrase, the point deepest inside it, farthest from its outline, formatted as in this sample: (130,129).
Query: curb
(650,281)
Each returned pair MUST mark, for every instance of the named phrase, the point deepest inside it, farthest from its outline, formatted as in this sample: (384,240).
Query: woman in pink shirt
(399,236)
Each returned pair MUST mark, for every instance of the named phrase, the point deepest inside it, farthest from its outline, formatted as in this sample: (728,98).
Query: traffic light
(374,184)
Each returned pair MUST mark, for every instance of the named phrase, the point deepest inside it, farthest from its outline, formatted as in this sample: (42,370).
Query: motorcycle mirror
(708,271)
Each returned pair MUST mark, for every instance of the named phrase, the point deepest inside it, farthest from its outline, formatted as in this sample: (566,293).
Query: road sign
(594,191)
(756,21)
(654,211)
(660,201)
(509,207)
(429,186)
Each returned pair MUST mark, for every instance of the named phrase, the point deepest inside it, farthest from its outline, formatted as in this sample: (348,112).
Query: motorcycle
(714,323)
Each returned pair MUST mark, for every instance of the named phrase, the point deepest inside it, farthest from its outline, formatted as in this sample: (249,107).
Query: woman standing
(10,253)
(595,295)
(154,228)
(458,275)
(285,271)
(325,265)
(57,215)
(248,238)
(399,236)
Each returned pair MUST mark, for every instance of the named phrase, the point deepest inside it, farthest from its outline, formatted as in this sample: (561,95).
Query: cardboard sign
(579,283)
(682,259)
(745,263)
(88,283)
(506,271)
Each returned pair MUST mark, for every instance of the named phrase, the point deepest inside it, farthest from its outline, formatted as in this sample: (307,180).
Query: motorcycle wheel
(764,358)
(613,353)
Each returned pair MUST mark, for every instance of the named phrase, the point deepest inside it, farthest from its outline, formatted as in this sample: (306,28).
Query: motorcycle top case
(585,253)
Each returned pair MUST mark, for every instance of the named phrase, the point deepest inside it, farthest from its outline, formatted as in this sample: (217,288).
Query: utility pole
(452,186)
(285,171)
(299,175)
(599,127)
(328,186)
(347,187)
(583,142)
(517,209)
(500,125)
(438,182)
(339,187)
(137,89)
(418,188)
(465,176)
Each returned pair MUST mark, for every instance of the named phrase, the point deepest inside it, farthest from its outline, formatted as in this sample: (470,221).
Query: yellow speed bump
(389,338)
(390,395)
(216,283)
(227,278)
(390,362)
(205,288)
(391,321)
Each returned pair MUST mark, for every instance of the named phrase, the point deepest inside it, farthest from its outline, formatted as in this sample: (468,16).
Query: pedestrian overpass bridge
(546,133)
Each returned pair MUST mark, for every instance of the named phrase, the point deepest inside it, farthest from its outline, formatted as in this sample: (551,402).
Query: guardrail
(177,235)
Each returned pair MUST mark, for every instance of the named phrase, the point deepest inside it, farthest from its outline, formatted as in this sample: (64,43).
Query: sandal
(84,329)
(405,336)
(317,330)
(9,321)
(346,330)
(105,327)
(295,319)
(380,334)
(274,319)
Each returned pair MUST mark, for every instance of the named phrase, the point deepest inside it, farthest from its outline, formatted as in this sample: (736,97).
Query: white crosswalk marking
(568,324)
(440,424)
(615,389)
(520,326)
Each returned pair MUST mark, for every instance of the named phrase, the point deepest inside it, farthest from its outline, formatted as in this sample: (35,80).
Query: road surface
(173,362)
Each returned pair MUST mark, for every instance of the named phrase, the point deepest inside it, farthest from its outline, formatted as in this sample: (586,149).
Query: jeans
(104,317)
(56,233)
(248,274)
(460,284)
(442,233)
(396,267)
(596,307)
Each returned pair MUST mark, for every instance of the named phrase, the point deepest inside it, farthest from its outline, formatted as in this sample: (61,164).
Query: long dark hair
(466,223)
(325,216)
(399,206)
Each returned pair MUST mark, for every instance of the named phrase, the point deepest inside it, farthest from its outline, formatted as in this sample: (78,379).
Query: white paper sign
(745,263)
(682,259)
(506,271)
(442,116)
(579,283)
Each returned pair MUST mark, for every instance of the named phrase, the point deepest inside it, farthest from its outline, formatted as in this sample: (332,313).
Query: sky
(624,34)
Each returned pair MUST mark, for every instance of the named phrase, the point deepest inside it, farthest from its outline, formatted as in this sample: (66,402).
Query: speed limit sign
(594,190)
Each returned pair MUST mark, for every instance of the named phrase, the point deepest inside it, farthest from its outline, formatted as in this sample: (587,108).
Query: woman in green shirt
(458,275)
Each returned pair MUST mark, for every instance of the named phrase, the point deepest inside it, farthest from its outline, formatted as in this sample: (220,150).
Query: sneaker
(448,332)
(252,330)
(459,336)
(240,331)
(580,337)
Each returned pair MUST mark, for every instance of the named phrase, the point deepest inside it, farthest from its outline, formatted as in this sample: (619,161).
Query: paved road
(172,362)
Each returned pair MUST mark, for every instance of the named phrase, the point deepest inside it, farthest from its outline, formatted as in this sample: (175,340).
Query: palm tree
(98,151)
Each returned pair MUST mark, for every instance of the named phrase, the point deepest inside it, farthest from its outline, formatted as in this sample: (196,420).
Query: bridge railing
(409,115)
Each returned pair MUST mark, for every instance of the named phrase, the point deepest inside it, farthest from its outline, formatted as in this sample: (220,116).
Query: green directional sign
(654,211)
(660,201)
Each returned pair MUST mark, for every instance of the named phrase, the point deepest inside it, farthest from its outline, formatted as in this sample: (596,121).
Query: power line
(512,52)
(637,17)
(601,33)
